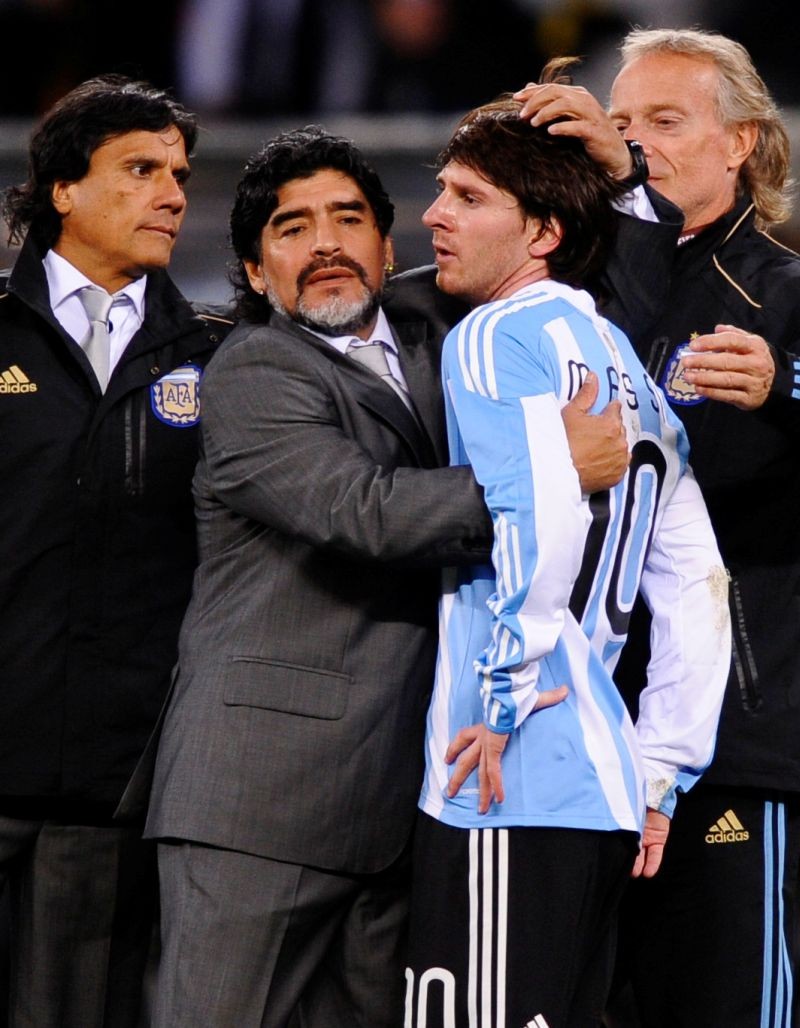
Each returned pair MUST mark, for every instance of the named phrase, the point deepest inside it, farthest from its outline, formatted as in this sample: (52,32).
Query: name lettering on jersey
(577,371)
(175,397)
(619,386)
(651,388)
(14,380)
(614,380)
(673,381)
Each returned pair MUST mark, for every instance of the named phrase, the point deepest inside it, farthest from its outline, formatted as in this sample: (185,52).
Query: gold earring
(389,267)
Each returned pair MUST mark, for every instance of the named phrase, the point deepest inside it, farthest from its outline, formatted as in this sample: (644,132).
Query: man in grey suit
(291,753)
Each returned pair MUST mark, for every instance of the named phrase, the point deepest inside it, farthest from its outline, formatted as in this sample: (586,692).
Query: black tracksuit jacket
(747,466)
(97,539)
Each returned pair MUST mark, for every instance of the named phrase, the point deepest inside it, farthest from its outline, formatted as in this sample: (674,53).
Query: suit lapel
(381,399)
(375,395)
(420,359)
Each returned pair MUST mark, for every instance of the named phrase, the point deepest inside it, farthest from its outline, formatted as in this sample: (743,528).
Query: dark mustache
(331,262)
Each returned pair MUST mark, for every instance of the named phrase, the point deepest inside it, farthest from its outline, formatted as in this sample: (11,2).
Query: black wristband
(641,171)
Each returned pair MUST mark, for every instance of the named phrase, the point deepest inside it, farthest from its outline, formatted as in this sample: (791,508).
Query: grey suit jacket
(296,724)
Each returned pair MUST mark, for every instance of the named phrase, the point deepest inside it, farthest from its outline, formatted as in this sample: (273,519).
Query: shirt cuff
(637,204)
(661,795)
(787,374)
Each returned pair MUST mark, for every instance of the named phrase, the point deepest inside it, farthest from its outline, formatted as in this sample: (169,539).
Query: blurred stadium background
(393,75)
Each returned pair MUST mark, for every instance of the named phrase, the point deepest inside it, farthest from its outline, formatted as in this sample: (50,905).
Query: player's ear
(545,236)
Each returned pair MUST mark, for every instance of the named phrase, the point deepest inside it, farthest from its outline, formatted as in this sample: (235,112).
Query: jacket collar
(28,280)
(373,394)
(709,246)
(734,221)
(165,340)
(168,313)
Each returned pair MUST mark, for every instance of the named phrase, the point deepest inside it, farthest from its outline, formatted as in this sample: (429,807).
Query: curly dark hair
(299,153)
(77,124)
(550,177)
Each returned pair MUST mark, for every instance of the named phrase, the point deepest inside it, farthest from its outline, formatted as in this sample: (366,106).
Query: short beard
(336,316)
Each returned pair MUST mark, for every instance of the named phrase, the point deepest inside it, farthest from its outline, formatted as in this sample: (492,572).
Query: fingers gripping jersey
(554,606)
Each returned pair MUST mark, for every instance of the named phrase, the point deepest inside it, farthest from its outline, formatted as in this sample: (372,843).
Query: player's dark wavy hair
(299,153)
(550,177)
(62,145)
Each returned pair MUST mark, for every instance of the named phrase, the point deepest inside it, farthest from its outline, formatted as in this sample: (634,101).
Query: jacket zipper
(135,445)
(658,358)
(743,660)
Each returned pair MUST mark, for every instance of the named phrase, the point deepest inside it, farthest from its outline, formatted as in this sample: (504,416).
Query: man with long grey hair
(724,349)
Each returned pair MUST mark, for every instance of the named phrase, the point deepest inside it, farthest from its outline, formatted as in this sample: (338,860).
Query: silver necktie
(373,356)
(96,344)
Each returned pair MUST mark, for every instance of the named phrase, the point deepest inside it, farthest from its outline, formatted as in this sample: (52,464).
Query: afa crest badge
(175,398)
(674,383)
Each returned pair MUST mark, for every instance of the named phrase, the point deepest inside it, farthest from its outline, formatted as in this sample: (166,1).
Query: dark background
(391,74)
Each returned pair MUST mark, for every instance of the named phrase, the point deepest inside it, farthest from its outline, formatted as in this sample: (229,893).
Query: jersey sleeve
(502,399)
(686,588)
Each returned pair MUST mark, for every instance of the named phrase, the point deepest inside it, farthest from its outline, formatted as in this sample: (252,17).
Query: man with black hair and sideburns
(101,359)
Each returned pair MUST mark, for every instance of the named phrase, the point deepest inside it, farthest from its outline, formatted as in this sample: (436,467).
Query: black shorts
(711,941)
(513,927)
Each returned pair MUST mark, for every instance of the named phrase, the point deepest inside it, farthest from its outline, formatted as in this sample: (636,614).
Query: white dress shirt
(637,204)
(382,333)
(127,313)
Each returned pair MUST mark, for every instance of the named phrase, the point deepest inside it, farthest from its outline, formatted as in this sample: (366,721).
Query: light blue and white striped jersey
(554,607)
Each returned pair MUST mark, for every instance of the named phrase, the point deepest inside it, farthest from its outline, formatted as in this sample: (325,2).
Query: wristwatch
(641,171)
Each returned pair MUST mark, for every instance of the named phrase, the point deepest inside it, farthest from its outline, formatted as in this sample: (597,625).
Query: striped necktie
(373,356)
(96,343)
